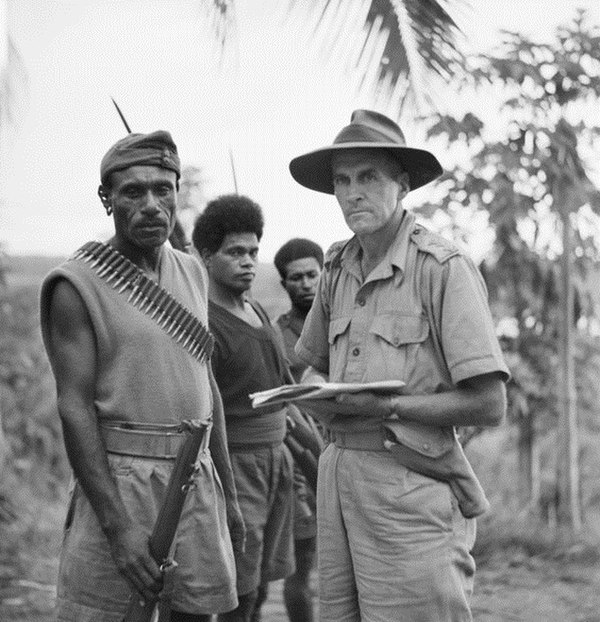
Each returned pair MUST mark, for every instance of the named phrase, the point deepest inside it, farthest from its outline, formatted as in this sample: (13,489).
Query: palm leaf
(393,50)
(12,71)
(220,15)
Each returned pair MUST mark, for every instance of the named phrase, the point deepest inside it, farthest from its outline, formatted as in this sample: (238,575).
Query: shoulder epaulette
(434,244)
(334,253)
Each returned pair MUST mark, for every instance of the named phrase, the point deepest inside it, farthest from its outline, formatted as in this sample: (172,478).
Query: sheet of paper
(325,390)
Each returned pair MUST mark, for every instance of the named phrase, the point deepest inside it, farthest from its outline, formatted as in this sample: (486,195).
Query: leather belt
(371,440)
(145,440)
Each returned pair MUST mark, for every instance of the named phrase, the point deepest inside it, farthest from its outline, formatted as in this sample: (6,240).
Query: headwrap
(154,149)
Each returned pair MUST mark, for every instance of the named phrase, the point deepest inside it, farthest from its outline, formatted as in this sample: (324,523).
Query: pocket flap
(399,330)
(337,327)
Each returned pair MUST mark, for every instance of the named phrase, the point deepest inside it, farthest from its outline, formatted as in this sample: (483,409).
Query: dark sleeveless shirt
(245,360)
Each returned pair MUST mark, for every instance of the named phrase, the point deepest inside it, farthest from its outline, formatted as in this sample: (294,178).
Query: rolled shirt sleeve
(467,332)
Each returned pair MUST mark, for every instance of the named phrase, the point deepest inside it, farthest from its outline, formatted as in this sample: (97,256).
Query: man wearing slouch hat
(131,364)
(396,496)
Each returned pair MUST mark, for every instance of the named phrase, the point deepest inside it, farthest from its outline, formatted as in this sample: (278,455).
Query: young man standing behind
(299,262)
(247,359)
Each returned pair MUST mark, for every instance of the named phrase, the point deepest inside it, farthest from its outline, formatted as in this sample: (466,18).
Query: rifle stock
(305,443)
(163,532)
(305,459)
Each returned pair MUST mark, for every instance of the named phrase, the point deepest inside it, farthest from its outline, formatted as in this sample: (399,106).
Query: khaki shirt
(420,316)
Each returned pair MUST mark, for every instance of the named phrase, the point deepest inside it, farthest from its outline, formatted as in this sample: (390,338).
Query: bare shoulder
(67,311)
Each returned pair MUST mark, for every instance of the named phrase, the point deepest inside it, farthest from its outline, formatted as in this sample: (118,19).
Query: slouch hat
(367,130)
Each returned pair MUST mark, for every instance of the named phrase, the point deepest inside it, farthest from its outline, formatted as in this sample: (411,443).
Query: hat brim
(313,170)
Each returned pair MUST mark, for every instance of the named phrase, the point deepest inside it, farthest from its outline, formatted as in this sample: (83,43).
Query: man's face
(367,193)
(300,282)
(143,200)
(233,266)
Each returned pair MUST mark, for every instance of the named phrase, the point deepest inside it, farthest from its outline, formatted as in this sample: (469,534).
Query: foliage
(221,15)
(394,50)
(27,399)
(526,184)
(12,70)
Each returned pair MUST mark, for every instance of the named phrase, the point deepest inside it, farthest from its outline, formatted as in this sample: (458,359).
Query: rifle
(305,444)
(163,532)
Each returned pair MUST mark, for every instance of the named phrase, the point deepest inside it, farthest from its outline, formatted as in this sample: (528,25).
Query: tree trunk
(525,460)
(569,509)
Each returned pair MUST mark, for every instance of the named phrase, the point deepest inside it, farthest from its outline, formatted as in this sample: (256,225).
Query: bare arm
(479,401)
(220,456)
(72,353)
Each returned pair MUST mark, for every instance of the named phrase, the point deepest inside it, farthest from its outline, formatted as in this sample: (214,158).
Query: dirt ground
(510,585)
(507,589)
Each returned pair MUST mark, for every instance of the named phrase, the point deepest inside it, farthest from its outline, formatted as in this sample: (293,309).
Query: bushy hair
(297,248)
(229,213)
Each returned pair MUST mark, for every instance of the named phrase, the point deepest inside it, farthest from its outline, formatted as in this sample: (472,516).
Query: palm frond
(392,49)
(13,76)
(220,15)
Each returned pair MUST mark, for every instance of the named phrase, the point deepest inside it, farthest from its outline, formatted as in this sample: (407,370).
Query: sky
(157,59)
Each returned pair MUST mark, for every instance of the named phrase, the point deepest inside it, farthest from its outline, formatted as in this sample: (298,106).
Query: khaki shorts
(89,586)
(264,478)
(392,543)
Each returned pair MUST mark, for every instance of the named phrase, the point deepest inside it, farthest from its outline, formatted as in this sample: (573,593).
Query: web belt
(145,440)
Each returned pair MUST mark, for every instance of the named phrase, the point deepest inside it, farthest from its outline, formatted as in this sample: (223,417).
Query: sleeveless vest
(142,374)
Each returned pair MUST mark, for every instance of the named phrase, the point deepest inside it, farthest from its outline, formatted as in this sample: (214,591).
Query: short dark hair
(229,213)
(297,248)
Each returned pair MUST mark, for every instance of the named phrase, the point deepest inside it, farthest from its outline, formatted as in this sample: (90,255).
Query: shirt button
(426,446)
(396,341)
(356,351)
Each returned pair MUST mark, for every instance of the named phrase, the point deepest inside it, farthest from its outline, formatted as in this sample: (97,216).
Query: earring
(109,209)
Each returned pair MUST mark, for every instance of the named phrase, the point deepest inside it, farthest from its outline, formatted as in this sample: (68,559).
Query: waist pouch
(439,456)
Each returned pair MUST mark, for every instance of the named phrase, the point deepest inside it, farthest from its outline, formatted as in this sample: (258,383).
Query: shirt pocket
(337,327)
(398,339)
(338,338)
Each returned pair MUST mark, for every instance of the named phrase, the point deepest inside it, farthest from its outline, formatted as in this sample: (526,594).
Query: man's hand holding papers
(324,400)
(320,391)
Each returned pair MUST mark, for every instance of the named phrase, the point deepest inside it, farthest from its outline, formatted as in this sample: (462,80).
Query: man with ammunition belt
(125,328)
(248,359)
(396,496)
